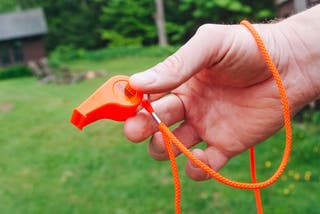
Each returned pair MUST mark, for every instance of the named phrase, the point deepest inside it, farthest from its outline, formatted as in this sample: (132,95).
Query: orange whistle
(114,100)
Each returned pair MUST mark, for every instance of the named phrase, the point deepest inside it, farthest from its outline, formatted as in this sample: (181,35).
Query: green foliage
(315,118)
(69,53)
(130,21)
(127,51)
(72,22)
(262,10)
(15,71)
(175,32)
(116,39)
(309,115)
(191,14)
(8,5)
(108,59)
(264,14)
(64,53)
(93,24)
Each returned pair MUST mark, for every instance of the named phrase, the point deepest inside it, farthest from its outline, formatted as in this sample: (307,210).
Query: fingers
(196,54)
(170,110)
(185,133)
(210,156)
(154,97)
(193,171)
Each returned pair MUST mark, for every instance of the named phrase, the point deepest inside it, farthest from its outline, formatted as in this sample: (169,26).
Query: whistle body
(114,100)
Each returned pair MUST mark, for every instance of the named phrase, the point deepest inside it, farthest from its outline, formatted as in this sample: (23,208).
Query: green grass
(48,166)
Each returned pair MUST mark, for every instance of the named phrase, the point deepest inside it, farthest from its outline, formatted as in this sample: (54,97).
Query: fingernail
(143,78)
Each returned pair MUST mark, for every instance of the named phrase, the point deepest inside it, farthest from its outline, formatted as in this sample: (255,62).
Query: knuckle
(204,29)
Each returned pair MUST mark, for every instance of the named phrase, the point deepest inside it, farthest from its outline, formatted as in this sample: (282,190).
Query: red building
(22,36)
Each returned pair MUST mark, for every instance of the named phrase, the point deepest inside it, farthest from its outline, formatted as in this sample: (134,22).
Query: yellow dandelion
(291,186)
(296,176)
(307,175)
(286,191)
(268,164)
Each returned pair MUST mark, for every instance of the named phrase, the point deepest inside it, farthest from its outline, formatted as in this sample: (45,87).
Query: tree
(128,22)
(160,22)
(185,16)
(71,23)
(92,24)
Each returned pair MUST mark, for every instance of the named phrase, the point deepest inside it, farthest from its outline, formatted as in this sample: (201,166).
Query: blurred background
(55,53)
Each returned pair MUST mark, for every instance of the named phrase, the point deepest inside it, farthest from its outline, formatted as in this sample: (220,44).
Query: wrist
(302,76)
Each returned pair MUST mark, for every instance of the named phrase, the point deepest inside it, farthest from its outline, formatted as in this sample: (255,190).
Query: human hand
(220,89)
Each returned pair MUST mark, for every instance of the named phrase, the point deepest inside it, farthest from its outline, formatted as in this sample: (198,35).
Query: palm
(232,119)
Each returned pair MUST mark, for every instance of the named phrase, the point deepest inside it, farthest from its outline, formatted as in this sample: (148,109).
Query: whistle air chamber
(114,100)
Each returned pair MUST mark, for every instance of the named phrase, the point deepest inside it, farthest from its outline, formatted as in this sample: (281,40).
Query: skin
(220,91)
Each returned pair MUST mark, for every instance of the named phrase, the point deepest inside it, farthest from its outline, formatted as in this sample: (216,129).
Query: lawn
(48,166)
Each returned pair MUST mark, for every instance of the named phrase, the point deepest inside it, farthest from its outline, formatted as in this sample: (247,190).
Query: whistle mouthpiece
(114,100)
(78,120)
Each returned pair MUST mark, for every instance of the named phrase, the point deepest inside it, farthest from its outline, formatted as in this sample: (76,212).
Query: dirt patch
(5,107)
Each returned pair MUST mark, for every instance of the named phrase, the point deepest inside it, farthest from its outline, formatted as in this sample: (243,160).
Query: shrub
(114,52)
(64,54)
(15,71)
(67,52)
(115,39)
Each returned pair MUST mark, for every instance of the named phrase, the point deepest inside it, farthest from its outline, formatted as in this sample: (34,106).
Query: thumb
(199,52)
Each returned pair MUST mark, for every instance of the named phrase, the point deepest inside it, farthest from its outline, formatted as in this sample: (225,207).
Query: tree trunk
(160,22)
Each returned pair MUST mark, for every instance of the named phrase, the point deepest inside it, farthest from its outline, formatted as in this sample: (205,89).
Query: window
(17,51)
(4,54)
(11,52)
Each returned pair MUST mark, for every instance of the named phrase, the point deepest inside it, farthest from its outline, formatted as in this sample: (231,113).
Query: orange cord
(255,185)
(175,174)
(254,180)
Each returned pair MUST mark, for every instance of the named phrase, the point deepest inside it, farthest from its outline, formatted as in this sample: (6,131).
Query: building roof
(22,24)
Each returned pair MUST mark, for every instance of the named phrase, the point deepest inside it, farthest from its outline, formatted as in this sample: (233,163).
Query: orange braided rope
(254,180)
(170,138)
(175,174)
